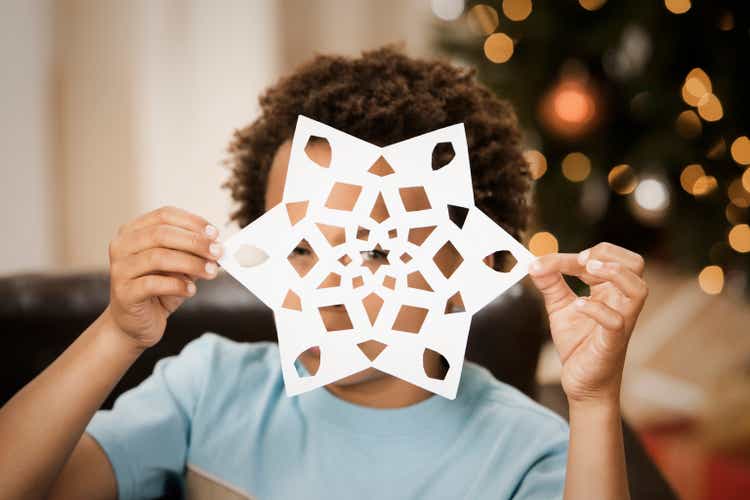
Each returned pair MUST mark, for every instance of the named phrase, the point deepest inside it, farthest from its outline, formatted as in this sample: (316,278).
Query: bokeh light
(709,107)
(592,4)
(483,19)
(739,238)
(688,125)
(677,6)
(542,243)
(622,179)
(735,214)
(705,185)
(737,194)
(498,47)
(652,195)
(576,167)
(690,174)
(447,10)
(537,163)
(741,150)
(711,280)
(516,10)
(746,179)
(697,84)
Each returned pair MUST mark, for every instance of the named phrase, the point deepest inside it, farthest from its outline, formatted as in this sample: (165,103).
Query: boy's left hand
(591,334)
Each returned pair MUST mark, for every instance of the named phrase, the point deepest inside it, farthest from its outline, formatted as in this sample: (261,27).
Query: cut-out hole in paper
(414,198)
(296,211)
(405,257)
(447,259)
(311,370)
(292,301)
(371,348)
(345,260)
(410,319)
(455,304)
(442,154)
(250,256)
(504,261)
(374,258)
(303,258)
(343,196)
(373,303)
(393,233)
(379,211)
(416,280)
(363,233)
(458,215)
(418,235)
(318,149)
(389,282)
(331,281)
(435,365)
(333,234)
(357,281)
(335,318)
(381,168)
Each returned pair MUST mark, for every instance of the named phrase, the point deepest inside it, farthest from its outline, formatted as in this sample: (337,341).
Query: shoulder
(501,404)
(215,354)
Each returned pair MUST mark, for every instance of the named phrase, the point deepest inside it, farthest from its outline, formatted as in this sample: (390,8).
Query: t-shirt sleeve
(146,433)
(545,479)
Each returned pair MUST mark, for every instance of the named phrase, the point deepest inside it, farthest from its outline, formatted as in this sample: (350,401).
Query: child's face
(337,316)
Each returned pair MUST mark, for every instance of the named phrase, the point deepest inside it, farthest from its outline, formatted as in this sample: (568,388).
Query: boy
(216,414)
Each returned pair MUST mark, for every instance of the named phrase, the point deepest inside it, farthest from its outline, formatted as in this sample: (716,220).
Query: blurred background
(636,120)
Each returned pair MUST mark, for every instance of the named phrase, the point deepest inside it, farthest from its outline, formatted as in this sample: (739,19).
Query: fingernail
(210,231)
(594,265)
(580,302)
(211,268)
(583,256)
(535,266)
(215,249)
(191,288)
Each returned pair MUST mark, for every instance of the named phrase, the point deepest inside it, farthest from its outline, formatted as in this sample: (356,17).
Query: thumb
(546,276)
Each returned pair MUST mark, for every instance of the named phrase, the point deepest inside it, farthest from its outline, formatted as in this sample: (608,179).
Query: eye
(302,251)
(374,255)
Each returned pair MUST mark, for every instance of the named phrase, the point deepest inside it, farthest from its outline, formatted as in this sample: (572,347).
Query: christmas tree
(635,116)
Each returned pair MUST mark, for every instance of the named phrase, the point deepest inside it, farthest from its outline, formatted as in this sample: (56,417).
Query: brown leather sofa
(41,314)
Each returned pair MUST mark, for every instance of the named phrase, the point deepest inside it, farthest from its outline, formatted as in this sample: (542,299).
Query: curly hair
(384,97)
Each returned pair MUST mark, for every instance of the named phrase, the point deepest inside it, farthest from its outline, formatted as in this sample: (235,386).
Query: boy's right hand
(154,261)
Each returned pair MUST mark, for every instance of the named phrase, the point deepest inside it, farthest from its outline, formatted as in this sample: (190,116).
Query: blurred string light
(690,174)
(576,167)
(650,200)
(542,243)
(726,21)
(622,179)
(498,47)
(710,109)
(483,19)
(537,163)
(746,179)
(592,4)
(447,10)
(741,150)
(516,10)
(697,92)
(571,107)
(739,238)
(677,6)
(705,185)
(735,214)
(631,54)
(688,125)
(711,280)
(737,194)
(717,150)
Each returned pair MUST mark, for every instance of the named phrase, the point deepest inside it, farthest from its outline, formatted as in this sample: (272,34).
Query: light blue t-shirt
(216,419)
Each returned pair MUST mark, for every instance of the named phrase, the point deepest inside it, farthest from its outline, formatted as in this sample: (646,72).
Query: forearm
(596,456)
(41,424)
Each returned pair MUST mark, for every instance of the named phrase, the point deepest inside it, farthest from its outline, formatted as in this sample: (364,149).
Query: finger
(163,260)
(607,317)
(166,236)
(555,291)
(154,285)
(172,216)
(625,280)
(171,302)
(609,252)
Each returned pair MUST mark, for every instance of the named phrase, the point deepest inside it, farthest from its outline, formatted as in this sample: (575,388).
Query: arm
(591,335)
(153,262)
